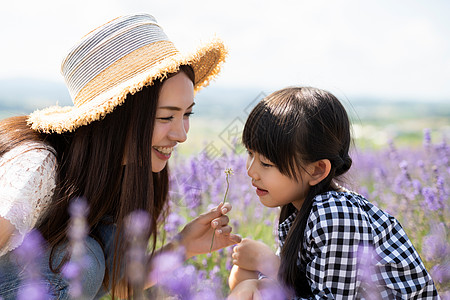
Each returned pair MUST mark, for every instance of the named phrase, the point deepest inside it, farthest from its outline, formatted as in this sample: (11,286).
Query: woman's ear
(319,171)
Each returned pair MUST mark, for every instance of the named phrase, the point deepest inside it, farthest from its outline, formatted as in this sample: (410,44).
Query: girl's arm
(237,275)
(256,256)
(254,289)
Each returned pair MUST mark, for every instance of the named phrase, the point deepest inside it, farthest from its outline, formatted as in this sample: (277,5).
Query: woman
(133,93)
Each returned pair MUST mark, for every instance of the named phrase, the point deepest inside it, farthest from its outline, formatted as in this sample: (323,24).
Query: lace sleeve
(27,182)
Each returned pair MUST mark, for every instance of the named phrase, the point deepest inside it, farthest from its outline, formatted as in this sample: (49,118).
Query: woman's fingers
(215,213)
(236,238)
(226,207)
(220,222)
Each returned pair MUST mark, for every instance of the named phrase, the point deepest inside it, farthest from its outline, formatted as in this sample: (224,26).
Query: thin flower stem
(228,172)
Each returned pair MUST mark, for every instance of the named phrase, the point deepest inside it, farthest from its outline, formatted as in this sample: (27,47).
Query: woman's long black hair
(292,127)
(90,165)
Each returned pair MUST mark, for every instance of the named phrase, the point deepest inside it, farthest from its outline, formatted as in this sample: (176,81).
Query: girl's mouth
(261,192)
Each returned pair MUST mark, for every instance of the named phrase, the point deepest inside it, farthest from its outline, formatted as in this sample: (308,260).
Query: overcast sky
(385,49)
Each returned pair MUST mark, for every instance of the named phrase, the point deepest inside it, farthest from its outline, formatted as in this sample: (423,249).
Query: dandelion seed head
(229,171)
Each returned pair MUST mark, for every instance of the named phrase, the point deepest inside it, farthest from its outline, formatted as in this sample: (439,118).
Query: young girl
(133,94)
(334,243)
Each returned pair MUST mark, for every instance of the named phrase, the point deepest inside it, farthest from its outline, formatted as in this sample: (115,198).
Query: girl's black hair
(292,127)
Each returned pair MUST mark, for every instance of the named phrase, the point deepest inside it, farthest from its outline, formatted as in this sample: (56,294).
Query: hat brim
(206,62)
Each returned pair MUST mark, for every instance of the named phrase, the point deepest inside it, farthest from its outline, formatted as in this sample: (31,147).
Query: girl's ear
(319,171)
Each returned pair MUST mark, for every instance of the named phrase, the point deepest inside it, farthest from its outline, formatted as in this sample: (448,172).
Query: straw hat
(117,59)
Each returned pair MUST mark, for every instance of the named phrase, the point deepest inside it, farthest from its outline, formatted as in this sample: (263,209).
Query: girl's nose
(251,168)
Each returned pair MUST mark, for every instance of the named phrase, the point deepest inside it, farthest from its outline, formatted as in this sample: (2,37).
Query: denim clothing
(12,273)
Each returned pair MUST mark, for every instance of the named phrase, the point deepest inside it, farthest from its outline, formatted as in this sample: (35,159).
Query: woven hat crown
(106,45)
(117,59)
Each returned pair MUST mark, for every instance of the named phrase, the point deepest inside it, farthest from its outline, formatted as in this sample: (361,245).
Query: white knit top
(27,183)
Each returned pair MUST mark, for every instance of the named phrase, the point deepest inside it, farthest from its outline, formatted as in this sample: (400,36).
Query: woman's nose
(179,131)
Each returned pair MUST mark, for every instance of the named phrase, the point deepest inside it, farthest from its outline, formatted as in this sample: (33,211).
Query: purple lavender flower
(173,221)
(431,200)
(272,292)
(137,226)
(137,223)
(164,266)
(366,272)
(441,273)
(427,138)
(77,233)
(29,254)
(435,246)
(33,290)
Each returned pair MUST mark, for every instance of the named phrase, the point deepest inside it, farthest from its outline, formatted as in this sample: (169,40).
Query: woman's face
(175,103)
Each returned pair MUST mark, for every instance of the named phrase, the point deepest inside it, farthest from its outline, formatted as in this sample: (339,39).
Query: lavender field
(410,184)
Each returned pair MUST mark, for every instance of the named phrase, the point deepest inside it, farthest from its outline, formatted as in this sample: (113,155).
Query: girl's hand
(256,256)
(196,236)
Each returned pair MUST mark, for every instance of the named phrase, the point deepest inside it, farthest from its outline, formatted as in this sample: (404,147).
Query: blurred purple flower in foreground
(435,245)
(137,229)
(77,233)
(29,254)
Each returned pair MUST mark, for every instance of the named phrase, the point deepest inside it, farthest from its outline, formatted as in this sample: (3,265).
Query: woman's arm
(195,238)
(6,230)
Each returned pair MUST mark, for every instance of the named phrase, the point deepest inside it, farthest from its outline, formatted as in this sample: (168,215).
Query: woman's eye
(188,114)
(250,153)
(166,119)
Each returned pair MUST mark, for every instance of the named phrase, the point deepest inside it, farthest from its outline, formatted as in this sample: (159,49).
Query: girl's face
(272,187)
(175,103)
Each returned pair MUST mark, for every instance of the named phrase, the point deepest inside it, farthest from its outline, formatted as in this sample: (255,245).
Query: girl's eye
(250,153)
(266,165)
(188,114)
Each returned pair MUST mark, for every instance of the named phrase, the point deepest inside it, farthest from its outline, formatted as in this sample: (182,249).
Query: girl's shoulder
(345,198)
(347,207)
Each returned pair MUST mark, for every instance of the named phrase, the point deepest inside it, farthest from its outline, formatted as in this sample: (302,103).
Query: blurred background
(387,61)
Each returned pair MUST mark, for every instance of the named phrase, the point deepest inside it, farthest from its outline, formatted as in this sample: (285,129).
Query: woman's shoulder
(34,157)
(28,149)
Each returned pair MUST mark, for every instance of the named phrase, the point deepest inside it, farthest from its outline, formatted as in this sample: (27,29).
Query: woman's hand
(256,256)
(197,235)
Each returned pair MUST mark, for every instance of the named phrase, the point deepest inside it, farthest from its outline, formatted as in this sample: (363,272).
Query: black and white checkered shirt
(354,250)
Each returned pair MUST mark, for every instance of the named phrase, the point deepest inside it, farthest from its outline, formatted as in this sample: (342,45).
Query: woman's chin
(156,168)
